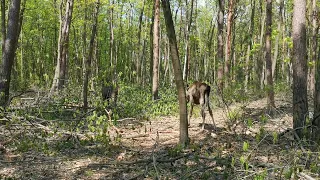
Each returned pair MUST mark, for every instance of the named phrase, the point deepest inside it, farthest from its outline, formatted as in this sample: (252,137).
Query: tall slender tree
(269,87)
(316,120)
(156,39)
(230,22)
(187,41)
(88,66)
(300,70)
(220,45)
(184,138)
(63,45)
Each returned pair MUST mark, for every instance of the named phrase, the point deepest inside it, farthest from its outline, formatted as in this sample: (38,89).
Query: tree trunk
(315,31)
(88,66)
(314,46)
(270,92)
(220,46)
(3,23)
(187,41)
(250,43)
(156,38)
(138,54)
(61,68)
(259,60)
(228,42)
(111,42)
(10,46)
(151,44)
(184,138)
(300,70)
(276,48)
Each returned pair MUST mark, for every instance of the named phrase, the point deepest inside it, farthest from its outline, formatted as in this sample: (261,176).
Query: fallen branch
(306,176)
(136,136)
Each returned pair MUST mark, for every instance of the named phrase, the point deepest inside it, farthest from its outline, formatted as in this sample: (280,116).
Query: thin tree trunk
(89,59)
(184,138)
(228,42)
(3,23)
(111,41)
(220,46)
(138,54)
(260,62)
(300,70)
(270,92)
(314,46)
(151,44)
(276,48)
(187,41)
(250,43)
(315,31)
(61,68)
(156,38)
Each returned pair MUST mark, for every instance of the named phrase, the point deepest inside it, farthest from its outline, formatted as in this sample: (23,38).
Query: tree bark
(63,45)
(314,46)
(184,138)
(138,54)
(187,41)
(228,42)
(151,44)
(316,121)
(88,66)
(276,48)
(3,23)
(10,46)
(250,43)
(300,70)
(156,38)
(220,46)
(270,92)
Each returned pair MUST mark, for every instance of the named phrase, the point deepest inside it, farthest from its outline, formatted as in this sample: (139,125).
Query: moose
(110,91)
(198,93)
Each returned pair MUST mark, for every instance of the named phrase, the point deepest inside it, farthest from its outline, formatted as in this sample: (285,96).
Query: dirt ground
(148,150)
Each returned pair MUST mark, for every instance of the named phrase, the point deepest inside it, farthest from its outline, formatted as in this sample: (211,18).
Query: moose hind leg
(190,113)
(203,115)
(210,112)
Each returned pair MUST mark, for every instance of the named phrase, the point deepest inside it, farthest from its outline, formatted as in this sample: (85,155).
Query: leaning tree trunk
(184,139)
(61,68)
(10,46)
(89,59)
(270,92)
(300,70)
(155,79)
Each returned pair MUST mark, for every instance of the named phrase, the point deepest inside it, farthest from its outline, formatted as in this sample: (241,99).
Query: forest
(160,89)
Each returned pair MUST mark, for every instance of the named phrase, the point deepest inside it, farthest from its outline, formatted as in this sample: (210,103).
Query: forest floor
(148,150)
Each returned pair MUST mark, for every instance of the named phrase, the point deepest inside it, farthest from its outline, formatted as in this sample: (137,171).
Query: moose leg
(190,113)
(202,104)
(210,112)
